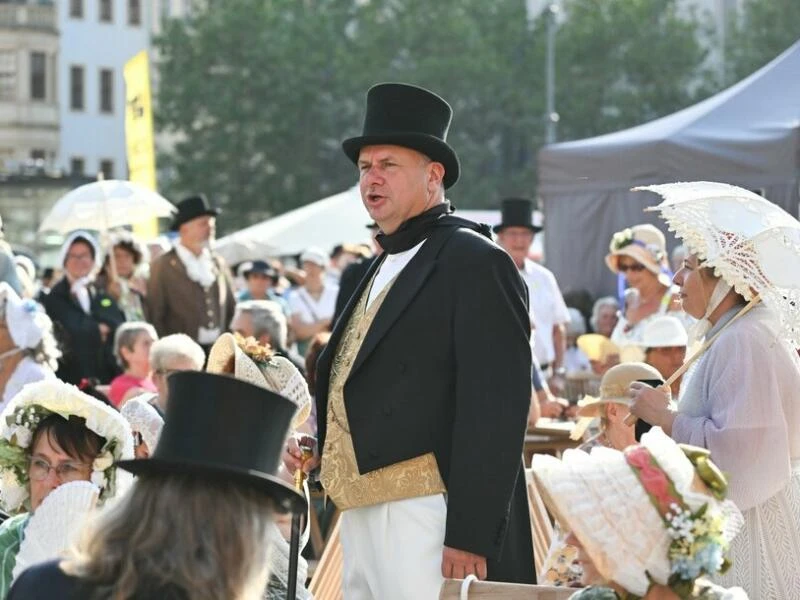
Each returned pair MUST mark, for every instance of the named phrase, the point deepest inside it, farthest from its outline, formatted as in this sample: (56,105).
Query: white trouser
(394,550)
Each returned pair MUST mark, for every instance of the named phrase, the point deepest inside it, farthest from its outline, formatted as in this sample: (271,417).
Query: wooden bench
(541,525)
(451,590)
(326,584)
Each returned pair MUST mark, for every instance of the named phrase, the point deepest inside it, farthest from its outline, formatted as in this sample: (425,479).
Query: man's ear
(435,176)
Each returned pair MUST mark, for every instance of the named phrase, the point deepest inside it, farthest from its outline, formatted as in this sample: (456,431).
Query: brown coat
(176,304)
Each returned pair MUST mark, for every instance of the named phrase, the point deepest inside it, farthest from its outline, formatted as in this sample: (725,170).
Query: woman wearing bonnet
(249,361)
(638,256)
(561,567)
(739,397)
(649,522)
(28,350)
(85,318)
(53,434)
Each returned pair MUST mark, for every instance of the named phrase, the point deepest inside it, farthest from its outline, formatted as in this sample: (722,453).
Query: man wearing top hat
(424,388)
(190,289)
(548,311)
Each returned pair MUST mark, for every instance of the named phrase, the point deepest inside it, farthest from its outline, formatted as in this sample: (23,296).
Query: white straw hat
(601,498)
(614,387)
(664,332)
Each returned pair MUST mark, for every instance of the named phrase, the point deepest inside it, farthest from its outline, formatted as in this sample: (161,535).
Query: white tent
(747,135)
(325,223)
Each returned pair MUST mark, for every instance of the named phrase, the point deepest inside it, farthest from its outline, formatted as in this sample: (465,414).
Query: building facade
(29,120)
(97,38)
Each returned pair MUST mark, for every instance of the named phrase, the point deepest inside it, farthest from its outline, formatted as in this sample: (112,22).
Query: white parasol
(750,242)
(103,205)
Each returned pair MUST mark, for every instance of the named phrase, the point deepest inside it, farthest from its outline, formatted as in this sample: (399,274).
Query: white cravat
(81,291)
(199,269)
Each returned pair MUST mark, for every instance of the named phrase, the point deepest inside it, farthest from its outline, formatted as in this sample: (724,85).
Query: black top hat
(191,208)
(262,267)
(224,429)
(409,116)
(517,212)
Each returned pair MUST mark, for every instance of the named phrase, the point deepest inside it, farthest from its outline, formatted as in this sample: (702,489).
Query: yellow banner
(139,139)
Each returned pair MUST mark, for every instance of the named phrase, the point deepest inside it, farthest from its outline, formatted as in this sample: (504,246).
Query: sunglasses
(635,267)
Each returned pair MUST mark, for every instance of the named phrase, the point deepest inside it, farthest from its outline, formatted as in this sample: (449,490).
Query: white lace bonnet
(144,419)
(599,498)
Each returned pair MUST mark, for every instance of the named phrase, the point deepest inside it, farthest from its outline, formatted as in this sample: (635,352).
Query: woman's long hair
(180,534)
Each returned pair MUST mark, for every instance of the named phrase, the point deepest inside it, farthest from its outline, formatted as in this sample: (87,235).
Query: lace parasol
(750,242)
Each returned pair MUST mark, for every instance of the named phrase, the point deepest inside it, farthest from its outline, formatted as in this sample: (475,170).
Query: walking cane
(306,444)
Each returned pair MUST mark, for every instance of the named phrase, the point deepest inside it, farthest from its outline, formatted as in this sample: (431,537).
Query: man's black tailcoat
(446,368)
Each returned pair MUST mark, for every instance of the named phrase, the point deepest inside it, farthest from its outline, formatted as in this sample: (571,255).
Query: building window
(38,76)
(106,90)
(106,11)
(76,96)
(76,9)
(8,75)
(134,12)
(77,166)
(38,154)
(107,168)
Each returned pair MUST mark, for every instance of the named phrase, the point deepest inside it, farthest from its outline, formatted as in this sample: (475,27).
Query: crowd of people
(417,364)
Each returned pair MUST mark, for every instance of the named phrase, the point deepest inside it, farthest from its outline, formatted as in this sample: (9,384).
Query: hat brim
(498,228)
(286,498)
(641,256)
(430,146)
(180,220)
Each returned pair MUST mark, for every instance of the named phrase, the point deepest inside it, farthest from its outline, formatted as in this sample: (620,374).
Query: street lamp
(551,116)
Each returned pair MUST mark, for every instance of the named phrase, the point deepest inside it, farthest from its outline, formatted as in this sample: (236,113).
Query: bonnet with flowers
(20,419)
(652,514)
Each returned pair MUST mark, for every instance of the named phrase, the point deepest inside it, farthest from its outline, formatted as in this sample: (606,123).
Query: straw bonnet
(646,245)
(618,504)
(664,332)
(613,388)
(249,361)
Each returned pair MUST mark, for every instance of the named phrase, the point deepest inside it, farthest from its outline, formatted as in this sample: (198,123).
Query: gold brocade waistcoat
(411,478)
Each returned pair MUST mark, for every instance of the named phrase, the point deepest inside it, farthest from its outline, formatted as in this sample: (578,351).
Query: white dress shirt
(547,309)
(392,265)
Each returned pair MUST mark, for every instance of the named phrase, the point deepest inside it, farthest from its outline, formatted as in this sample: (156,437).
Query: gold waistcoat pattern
(411,478)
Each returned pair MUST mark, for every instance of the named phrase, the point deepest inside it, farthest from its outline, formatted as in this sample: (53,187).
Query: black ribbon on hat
(418,228)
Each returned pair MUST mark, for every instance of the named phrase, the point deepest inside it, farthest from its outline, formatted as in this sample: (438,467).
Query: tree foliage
(624,62)
(764,29)
(261,92)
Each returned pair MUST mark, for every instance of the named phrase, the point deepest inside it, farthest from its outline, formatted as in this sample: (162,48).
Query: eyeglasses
(40,469)
(82,256)
(635,267)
